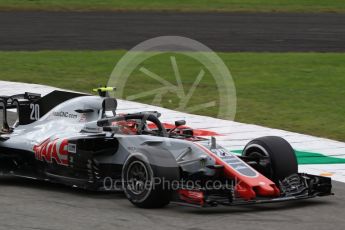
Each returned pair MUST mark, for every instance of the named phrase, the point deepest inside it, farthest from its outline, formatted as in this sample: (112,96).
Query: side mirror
(180,123)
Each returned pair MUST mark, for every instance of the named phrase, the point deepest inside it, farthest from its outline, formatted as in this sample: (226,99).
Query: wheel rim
(258,153)
(137,177)
(255,154)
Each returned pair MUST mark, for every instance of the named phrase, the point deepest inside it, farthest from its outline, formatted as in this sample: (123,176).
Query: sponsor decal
(65,114)
(236,163)
(52,151)
(72,148)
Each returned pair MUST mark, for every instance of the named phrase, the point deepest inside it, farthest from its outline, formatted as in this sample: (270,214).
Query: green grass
(178,5)
(302,92)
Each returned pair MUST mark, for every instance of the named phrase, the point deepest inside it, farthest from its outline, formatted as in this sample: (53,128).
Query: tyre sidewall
(282,157)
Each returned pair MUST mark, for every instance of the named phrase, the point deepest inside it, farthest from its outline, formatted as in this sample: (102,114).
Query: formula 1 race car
(79,140)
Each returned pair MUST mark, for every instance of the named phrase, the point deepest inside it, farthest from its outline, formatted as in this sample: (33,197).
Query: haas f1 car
(79,140)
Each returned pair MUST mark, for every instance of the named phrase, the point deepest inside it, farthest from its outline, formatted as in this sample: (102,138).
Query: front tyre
(281,156)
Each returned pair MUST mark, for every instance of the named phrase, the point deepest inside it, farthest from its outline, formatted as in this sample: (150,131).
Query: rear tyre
(141,183)
(281,156)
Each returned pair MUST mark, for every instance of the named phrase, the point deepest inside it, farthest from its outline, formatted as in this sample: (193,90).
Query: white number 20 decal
(35,112)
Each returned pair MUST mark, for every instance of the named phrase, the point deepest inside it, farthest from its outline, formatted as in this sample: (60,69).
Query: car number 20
(35,112)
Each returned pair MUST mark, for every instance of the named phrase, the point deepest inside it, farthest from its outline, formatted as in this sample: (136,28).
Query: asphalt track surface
(220,31)
(30,204)
(27,204)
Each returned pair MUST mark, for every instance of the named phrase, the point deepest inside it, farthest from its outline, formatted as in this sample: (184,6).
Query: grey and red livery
(79,140)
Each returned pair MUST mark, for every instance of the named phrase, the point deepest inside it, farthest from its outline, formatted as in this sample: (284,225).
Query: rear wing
(21,102)
(31,106)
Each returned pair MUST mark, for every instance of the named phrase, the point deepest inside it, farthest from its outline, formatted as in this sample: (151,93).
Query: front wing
(296,187)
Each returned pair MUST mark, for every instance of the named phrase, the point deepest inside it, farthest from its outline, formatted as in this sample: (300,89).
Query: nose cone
(267,190)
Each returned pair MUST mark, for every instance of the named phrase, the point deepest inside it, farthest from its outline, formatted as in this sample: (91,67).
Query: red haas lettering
(52,150)
(63,153)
